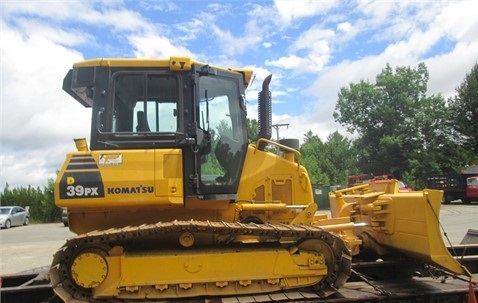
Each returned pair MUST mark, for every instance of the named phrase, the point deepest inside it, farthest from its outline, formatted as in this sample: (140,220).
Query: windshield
(472,182)
(5,210)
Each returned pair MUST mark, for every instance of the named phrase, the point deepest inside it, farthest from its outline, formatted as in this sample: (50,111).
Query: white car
(13,216)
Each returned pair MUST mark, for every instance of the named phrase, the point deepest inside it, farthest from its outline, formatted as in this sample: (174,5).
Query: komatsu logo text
(130,190)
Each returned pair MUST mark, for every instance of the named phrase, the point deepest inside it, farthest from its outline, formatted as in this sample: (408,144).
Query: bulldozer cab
(169,104)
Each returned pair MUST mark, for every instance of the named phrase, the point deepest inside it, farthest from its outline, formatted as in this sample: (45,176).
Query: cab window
(145,103)
(221,116)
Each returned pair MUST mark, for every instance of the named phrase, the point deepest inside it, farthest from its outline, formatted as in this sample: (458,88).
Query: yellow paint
(174,64)
(393,220)
(89,269)
(193,272)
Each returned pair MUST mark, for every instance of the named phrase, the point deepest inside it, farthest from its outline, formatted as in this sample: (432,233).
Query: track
(34,286)
(223,232)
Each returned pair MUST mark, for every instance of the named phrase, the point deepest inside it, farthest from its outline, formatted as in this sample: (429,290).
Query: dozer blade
(388,220)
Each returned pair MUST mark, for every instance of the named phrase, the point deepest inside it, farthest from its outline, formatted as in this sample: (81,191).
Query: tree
(40,202)
(464,108)
(342,158)
(50,212)
(400,129)
(329,162)
(313,158)
(252,130)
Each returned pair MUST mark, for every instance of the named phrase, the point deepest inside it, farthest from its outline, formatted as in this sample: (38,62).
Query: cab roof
(174,64)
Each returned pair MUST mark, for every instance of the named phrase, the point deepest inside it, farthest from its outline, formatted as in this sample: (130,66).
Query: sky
(311,47)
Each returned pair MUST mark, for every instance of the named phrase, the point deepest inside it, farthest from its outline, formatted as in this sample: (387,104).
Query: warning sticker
(110,159)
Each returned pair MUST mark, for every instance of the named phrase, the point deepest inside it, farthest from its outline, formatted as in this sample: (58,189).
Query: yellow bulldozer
(170,200)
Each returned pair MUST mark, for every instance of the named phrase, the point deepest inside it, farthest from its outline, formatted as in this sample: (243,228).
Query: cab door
(221,116)
(18,216)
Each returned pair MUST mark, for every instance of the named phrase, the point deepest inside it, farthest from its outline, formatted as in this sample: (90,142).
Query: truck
(170,202)
(462,186)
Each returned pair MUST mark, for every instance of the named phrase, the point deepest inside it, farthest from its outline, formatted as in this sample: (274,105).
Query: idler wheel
(89,268)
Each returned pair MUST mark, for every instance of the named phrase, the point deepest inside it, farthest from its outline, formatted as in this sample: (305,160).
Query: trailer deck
(430,285)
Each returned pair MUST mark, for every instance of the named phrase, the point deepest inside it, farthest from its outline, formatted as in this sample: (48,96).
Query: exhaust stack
(265,111)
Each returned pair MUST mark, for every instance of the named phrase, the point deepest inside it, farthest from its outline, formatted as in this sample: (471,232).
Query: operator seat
(142,122)
(227,154)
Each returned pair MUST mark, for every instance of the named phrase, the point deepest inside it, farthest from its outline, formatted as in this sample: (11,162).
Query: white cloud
(119,19)
(154,46)
(32,90)
(311,63)
(52,10)
(233,45)
(458,20)
(344,27)
(287,62)
(37,117)
(101,14)
(33,166)
(35,28)
(414,28)
(292,10)
(448,71)
(160,6)
(190,29)
(314,40)
(444,77)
